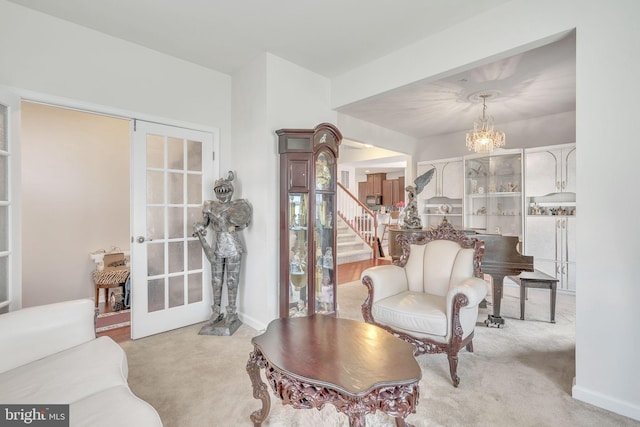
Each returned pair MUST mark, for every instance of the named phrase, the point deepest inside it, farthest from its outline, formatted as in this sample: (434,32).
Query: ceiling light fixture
(483,138)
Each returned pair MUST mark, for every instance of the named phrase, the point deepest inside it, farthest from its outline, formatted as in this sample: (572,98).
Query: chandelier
(483,138)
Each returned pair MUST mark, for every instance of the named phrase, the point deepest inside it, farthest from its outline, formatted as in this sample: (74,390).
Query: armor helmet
(223,188)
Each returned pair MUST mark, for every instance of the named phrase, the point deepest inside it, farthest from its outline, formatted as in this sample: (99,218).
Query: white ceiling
(328,37)
(331,37)
(535,83)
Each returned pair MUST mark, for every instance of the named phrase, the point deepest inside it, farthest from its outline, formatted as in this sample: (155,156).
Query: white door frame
(16,188)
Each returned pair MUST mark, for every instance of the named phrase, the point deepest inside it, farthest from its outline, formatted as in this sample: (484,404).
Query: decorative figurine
(411,218)
(327,260)
(226,218)
(326,299)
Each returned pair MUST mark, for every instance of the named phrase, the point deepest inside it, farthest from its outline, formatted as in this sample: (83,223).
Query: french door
(173,171)
(10,289)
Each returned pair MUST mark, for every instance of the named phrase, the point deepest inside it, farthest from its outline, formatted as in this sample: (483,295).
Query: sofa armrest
(386,280)
(32,333)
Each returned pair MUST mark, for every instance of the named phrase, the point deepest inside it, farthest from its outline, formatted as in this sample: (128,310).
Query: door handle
(141,239)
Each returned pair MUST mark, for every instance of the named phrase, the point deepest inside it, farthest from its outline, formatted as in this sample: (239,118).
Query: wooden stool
(109,279)
(536,279)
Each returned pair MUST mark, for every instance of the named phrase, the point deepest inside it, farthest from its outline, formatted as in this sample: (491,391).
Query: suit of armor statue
(226,218)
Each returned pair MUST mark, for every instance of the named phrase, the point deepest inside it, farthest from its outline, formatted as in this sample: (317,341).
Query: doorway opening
(75,199)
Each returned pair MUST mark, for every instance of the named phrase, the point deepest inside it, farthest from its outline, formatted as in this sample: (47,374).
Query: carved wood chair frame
(445,231)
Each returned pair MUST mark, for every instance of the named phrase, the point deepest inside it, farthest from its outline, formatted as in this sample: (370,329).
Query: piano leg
(495,319)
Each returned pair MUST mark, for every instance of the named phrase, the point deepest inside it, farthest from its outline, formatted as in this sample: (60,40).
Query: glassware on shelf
(493,201)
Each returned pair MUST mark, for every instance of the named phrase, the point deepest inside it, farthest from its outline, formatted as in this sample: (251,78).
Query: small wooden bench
(536,279)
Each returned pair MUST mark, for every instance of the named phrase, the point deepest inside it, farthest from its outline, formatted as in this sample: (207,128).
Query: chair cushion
(413,312)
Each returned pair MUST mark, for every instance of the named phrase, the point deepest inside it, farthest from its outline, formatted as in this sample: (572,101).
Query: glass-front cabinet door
(298,266)
(493,193)
(324,252)
(307,217)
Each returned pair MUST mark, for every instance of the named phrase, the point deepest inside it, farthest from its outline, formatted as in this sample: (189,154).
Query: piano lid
(501,255)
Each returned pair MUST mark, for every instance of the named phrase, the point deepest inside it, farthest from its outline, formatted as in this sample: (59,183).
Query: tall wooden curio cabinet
(308,172)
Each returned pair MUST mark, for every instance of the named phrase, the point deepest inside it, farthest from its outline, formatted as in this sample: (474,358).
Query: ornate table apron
(397,400)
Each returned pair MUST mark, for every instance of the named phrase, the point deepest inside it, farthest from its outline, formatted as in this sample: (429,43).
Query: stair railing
(360,218)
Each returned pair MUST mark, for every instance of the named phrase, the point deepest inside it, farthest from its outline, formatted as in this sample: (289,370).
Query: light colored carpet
(520,375)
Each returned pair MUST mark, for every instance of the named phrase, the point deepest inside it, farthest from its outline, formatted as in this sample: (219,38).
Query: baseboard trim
(114,326)
(600,400)
(252,322)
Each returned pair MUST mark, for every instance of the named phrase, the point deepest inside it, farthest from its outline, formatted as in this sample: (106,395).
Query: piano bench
(536,279)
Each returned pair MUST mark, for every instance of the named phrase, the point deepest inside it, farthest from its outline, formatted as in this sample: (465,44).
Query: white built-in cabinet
(551,239)
(550,232)
(446,180)
(485,193)
(442,196)
(550,170)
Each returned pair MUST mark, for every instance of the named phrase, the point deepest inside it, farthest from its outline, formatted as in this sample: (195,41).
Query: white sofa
(50,355)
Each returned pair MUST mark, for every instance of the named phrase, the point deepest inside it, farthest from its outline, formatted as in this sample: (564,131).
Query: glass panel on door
(4,209)
(170,279)
(325,265)
(174,178)
(298,268)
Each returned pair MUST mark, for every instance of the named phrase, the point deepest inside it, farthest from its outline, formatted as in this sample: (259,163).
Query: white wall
(75,199)
(369,133)
(45,58)
(54,57)
(607,254)
(252,151)
(268,94)
(607,70)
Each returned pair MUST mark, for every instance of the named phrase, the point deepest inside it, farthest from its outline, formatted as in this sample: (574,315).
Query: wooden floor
(348,272)
(351,271)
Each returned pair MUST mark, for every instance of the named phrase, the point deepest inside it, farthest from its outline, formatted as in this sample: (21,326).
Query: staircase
(350,247)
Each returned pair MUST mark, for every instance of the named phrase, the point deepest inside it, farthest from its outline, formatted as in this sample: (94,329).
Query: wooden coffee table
(315,360)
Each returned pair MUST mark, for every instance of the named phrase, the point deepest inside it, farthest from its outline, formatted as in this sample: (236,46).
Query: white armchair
(430,296)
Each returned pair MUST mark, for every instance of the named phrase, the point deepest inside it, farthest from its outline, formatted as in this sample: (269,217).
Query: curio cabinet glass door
(307,217)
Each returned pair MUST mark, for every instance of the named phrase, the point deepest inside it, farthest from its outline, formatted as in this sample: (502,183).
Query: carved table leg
(357,420)
(260,390)
(400,422)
